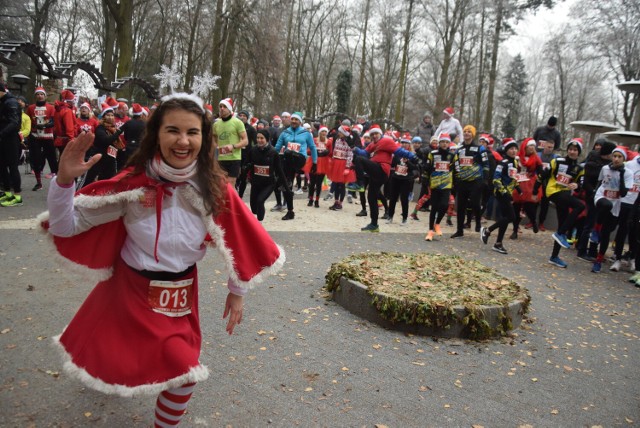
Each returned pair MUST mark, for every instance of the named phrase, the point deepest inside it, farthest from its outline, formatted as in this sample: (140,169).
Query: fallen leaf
(261,332)
(308,389)
(87,414)
(554,412)
(534,379)
(377,346)
(5,331)
(345,369)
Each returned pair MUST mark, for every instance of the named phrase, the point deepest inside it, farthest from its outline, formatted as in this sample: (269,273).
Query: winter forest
(396,60)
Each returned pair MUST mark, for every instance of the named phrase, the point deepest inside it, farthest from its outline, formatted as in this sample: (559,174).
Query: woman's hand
(72,162)
(233,307)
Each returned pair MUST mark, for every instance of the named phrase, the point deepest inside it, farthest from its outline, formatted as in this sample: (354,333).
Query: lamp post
(20,80)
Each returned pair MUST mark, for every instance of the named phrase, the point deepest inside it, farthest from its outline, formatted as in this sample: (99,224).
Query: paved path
(301,360)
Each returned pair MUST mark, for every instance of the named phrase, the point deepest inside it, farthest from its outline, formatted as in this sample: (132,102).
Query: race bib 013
(171,298)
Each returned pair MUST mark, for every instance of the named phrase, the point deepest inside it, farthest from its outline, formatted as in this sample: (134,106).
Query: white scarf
(166,172)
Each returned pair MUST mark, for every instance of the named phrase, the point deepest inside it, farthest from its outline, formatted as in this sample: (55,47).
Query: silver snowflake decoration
(168,77)
(203,84)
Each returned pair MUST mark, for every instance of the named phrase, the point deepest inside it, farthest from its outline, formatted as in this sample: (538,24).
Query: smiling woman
(142,233)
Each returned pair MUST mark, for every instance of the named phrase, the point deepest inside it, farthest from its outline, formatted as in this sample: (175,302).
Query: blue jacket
(297,140)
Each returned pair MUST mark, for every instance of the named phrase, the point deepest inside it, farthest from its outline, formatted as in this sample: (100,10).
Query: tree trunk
(493,72)
(478,108)
(39,19)
(226,67)
(284,92)
(363,59)
(403,66)
(122,13)
(191,60)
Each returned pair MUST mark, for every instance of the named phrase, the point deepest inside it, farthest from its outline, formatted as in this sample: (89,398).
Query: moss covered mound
(445,293)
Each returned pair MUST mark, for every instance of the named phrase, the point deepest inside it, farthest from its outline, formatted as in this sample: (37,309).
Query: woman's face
(530,150)
(180,138)
(617,159)
(573,152)
(261,140)
(108,116)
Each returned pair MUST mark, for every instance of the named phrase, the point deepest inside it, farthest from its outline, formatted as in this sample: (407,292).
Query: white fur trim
(195,374)
(183,95)
(217,235)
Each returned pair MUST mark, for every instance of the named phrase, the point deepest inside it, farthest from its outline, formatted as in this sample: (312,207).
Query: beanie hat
(607,148)
(416,140)
(507,143)
(136,109)
(576,142)
(346,122)
(228,103)
(449,111)
(67,95)
(106,108)
(622,151)
(244,112)
(444,137)
(470,128)
(553,121)
(266,133)
(40,90)
(375,128)
(296,115)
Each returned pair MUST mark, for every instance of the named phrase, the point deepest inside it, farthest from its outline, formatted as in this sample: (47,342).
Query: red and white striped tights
(171,405)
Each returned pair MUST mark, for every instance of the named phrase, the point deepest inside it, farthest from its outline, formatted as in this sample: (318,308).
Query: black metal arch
(100,82)
(45,65)
(147,87)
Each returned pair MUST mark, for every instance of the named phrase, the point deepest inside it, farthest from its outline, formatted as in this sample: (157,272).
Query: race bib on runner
(112,151)
(261,170)
(294,147)
(466,161)
(402,170)
(563,179)
(612,194)
(442,166)
(512,172)
(171,298)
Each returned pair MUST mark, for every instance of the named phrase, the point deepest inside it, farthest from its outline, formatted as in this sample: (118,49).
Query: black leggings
(608,221)
(507,214)
(564,201)
(377,178)
(9,171)
(399,188)
(315,185)
(260,192)
(529,208)
(40,152)
(291,163)
(439,205)
(469,194)
(624,227)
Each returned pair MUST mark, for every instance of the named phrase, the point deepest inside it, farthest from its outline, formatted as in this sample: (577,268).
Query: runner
(440,180)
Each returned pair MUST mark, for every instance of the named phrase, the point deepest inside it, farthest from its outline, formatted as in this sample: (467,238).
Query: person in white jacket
(449,125)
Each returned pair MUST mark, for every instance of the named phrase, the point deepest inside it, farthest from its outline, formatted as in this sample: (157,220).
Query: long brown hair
(210,176)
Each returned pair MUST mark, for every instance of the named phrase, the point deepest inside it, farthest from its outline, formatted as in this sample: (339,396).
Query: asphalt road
(299,359)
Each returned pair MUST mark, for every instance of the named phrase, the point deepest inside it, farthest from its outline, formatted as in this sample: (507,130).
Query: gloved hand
(314,168)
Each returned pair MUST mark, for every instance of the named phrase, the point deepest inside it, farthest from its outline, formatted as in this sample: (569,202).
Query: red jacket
(64,124)
(382,152)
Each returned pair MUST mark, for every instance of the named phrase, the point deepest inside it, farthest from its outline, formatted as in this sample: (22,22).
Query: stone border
(354,296)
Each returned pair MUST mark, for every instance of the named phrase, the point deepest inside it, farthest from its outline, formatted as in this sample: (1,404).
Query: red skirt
(119,343)
(336,172)
(321,168)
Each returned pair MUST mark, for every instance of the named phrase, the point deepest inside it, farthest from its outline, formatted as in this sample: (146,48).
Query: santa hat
(406,138)
(285,114)
(396,135)
(323,129)
(622,151)
(306,126)
(136,109)
(576,142)
(488,138)
(444,137)
(123,105)
(366,134)
(111,102)
(296,115)
(449,111)
(106,108)
(85,104)
(228,103)
(344,130)
(209,108)
(276,117)
(375,128)
(40,90)
(145,111)
(507,143)
(358,128)
(67,95)
(254,120)
(529,142)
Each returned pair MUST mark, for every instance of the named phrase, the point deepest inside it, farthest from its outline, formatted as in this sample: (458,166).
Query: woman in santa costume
(141,233)
(323,147)
(340,170)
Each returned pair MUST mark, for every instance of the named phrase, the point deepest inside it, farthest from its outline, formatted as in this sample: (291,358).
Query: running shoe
(498,248)
(350,199)
(429,236)
(316,204)
(389,220)
(561,239)
(514,235)
(414,217)
(528,225)
(6,196)
(615,267)
(355,187)
(449,222)
(370,228)
(594,237)
(557,261)
(276,207)
(586,257)
(362,213)
(484,235)
(437,230)
(299,191)
(597,267)
(334,207)
(635,278)
(541,228)
(328,196)
(37,187)
(310,203)
(49,176)
(15,201)
(535,227)
(385,216)
(457,235)
(404,222)
(290,215)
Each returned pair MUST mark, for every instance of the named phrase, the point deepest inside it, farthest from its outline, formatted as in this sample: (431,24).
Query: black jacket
(10,119)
